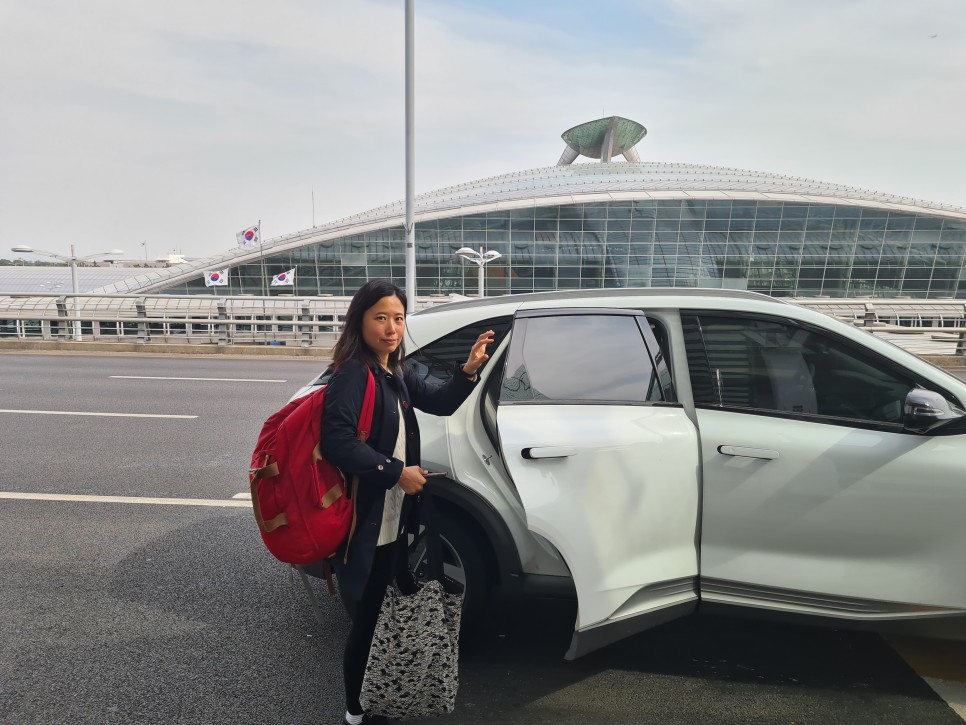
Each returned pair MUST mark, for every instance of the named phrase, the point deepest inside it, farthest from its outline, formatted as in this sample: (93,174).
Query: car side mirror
(925,410)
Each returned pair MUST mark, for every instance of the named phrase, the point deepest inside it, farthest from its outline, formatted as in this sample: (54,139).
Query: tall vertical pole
(410,166)
(482,264)
(261,256)
(73,282)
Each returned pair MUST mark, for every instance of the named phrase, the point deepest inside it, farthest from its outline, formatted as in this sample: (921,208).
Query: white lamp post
(72,263)
(480,259)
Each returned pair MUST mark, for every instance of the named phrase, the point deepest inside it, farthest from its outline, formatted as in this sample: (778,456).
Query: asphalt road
(153,613)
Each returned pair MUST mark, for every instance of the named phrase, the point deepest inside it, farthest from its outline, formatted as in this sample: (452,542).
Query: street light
(72,263)
(480,259)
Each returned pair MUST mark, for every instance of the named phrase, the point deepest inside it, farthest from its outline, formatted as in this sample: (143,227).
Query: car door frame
(599,634)
(733,591)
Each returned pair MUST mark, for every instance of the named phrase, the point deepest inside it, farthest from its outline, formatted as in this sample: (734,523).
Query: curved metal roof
(579,183)
(44,279)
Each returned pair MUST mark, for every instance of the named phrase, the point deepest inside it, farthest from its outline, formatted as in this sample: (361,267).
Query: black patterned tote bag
(413,662)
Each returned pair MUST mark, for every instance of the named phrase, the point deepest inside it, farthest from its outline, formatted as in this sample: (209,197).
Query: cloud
(182,122)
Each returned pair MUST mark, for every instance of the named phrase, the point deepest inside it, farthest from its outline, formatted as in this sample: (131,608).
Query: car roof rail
(615,292)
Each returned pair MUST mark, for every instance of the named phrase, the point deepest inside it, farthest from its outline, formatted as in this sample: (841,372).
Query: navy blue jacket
(373,461)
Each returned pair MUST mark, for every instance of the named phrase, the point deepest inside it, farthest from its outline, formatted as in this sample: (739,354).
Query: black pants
(364,613)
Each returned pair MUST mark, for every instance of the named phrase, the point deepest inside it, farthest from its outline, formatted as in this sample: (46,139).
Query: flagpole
(261,255)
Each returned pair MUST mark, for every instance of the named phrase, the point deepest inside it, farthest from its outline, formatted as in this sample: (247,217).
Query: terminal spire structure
(603,139)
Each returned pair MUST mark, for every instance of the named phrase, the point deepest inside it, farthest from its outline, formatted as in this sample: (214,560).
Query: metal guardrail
(194,319)
(892,310)
(922,326)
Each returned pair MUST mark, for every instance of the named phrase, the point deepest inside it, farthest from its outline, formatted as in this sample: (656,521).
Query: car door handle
(548,452)
(764,453)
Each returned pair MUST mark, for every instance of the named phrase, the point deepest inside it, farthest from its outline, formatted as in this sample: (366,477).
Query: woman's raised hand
(478,354)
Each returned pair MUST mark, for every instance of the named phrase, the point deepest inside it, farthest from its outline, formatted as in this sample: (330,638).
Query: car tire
(464,569)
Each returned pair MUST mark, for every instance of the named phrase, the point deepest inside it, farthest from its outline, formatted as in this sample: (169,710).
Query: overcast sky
(180,123)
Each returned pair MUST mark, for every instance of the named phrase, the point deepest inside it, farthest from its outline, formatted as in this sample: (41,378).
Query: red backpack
(299,497)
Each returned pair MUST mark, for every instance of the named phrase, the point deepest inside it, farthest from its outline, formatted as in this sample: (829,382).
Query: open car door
(606,465)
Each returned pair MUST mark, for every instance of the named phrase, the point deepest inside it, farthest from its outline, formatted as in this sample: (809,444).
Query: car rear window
(437,361)
(600,358)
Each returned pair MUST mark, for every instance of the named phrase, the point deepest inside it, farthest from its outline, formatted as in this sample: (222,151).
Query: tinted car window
(773,366)
(437,361)
(579,358)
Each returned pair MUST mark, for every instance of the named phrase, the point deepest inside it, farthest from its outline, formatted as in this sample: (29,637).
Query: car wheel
(464,568)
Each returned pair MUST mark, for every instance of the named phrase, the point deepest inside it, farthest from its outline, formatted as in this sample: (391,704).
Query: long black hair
(350,345)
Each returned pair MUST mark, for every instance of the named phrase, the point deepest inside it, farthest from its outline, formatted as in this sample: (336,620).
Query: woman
(387,463)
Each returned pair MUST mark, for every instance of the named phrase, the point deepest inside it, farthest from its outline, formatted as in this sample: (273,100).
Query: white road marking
(954,693)
(122,499)
(101,415)
(941,663)
(244,494)
(221,380)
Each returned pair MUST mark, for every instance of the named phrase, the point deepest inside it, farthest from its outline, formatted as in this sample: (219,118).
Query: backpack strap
(368,406)
(365,428)
(254,474)
(335,492)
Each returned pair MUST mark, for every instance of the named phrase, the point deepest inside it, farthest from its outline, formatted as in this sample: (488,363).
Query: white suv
(650,450)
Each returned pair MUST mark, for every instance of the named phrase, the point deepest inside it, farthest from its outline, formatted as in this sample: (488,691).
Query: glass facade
(780,248)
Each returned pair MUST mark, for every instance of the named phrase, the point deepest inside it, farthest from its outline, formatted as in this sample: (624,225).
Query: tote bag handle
(434,545)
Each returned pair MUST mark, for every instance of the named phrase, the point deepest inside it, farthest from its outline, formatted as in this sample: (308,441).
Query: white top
(395,495)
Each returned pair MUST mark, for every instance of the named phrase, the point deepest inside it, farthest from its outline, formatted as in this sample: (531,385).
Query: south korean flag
(217,278)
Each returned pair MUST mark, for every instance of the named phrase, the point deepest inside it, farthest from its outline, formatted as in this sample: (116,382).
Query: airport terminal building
(616,224)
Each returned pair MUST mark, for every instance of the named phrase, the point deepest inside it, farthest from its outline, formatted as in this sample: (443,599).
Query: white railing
(193,319)
(922,326)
